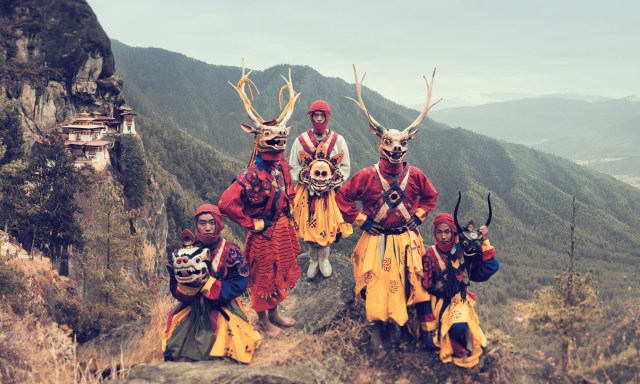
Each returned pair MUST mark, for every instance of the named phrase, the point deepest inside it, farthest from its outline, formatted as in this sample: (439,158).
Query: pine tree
(135,173)
(53,211)
(108,263)
(568,308)
(12,165)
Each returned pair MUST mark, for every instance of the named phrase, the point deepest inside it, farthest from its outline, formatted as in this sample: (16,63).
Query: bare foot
(281,320)
(267,326)
(270,329)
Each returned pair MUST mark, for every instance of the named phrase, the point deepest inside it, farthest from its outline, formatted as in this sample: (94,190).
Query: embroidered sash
(309,142)
(392,195)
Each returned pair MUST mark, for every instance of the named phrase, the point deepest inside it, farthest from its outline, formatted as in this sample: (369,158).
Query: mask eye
(324,173)
(317,173)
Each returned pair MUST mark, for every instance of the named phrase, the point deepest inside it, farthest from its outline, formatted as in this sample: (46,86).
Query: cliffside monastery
(89,137)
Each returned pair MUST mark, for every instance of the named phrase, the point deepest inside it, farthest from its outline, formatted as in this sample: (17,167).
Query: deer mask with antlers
(393,144)
(269,136)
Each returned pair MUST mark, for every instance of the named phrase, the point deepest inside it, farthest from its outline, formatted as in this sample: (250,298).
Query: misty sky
(484,50)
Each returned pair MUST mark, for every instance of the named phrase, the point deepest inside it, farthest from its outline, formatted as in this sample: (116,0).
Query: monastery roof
(74,142)
(94,143)
(98,143)
(84,126)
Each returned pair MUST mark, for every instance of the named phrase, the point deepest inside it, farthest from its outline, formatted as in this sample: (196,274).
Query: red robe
(259,200)
(419,196)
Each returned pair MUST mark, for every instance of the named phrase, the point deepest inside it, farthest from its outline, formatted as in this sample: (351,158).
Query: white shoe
(313,269)
(325,267)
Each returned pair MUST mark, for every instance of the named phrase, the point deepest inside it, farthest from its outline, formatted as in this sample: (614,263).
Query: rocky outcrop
(153,225)
(219,372)
(316,302)
(57,61)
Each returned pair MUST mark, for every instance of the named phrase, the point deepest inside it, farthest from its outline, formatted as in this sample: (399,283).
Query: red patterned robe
(260,199)
(385,266)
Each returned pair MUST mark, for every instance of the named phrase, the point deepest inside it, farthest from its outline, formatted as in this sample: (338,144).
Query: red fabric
(272,156)
(489,254)
(273,263)
(253,194)
(204,238)
(214,292)
(363,186)
(390,168)
(445,218)
(330,141)
(320,105)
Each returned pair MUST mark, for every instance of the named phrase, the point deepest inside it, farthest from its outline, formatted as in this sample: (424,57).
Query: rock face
(56,59)
(218,372)
(315,303)
(153,224)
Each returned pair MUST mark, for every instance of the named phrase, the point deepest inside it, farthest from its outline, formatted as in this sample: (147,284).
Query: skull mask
(320,173)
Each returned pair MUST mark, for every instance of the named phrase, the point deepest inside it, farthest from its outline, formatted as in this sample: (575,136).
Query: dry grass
(135,349)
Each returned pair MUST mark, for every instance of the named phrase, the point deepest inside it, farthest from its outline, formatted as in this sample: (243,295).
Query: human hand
(413,223)
(484,232)
(372,227)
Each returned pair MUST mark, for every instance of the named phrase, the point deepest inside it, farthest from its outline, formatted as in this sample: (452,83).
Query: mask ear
(305,157)
(337,159)
(248,129)
(187,237)
(413,132)
(376,130)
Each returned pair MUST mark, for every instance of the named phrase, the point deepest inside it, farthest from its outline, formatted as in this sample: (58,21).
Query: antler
(360,103)
(251,112)
(427,107)
(293,97)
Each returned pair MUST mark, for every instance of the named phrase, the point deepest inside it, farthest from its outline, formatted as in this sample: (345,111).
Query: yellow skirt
(459,312)
(234,337)
(383,265)
(326,222)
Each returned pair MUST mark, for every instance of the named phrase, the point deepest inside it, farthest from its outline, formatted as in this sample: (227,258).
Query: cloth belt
(395,230)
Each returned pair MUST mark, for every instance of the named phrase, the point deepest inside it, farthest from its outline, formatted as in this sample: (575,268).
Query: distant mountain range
(603,135)
(530,190)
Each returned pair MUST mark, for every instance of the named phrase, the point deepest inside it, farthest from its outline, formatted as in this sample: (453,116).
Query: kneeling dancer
(207,276)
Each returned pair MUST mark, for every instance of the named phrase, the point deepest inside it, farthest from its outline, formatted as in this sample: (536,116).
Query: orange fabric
(273,264)
(381,269)
(323,224)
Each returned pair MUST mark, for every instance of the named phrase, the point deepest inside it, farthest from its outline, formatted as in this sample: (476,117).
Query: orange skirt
(325,222)
(383,265)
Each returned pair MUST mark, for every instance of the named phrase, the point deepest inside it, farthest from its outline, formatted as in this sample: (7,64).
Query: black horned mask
(470,236)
